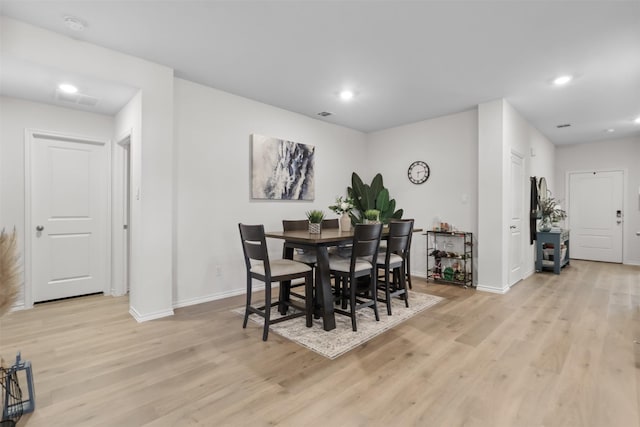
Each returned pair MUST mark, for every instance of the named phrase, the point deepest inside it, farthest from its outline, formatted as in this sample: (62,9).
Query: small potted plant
(315,218)
(371,216)
(343,207)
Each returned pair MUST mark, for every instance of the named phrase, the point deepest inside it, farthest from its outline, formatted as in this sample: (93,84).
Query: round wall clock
(418,172)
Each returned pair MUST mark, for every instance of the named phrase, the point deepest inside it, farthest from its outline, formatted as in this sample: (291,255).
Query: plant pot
(345,222)
(315,227)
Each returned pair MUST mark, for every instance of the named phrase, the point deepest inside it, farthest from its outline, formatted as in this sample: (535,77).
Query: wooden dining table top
(328,235)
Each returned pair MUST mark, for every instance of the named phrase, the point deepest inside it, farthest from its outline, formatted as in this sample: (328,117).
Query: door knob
(39,228)
(513,227)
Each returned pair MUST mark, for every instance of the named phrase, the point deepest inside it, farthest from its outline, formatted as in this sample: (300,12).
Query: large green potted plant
(371,196)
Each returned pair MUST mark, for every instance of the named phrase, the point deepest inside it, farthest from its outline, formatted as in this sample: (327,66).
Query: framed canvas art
(281,170)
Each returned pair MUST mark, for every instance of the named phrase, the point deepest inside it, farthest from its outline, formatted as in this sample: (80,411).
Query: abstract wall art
(281,170)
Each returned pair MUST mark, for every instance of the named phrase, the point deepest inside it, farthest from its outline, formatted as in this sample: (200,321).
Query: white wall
(622,154)
(539,160)
(449,146)
(492,192)
(503,130)
(153,169)
(212,134)
(16,116)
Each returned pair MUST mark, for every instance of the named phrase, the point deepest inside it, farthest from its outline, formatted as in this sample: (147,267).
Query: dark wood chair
(393,263)
(330,223)
(408,258)
(366,240)
(259,267)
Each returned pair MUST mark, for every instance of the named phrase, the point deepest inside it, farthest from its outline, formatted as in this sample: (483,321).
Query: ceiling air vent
(566,125)
(77,98)
(324,113)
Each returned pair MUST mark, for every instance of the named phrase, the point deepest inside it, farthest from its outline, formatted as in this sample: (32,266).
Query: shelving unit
(552,259)
(450,257)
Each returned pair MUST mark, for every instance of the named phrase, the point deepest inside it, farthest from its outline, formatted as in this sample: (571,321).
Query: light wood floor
(554,351)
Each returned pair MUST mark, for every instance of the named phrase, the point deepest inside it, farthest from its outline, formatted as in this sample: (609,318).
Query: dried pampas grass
(9,271)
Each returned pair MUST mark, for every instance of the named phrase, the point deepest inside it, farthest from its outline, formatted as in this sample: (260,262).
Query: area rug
(340,340)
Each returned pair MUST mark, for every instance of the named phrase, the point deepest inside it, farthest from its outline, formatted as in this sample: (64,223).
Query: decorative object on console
(551,213)
(281,170)
(374,196)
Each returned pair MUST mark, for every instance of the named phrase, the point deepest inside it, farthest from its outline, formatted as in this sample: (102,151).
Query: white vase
(345,222)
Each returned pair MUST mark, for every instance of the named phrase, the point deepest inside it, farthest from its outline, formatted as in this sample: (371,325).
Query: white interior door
(516,218)
(596,216)
(68,216)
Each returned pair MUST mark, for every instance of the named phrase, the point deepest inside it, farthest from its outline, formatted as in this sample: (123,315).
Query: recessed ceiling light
(74,23)
(346,95)
(562,80)
(67,88)
(637,120)
(610,130)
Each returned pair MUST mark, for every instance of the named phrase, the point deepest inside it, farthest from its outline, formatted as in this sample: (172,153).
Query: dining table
(320,242)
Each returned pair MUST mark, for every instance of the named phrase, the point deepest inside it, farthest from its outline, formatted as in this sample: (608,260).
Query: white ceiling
(407,61)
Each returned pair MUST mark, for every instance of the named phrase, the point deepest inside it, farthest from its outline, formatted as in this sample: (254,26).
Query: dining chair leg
(403,286)
(407,270)
(246,309)
(285,295)
(343,290)
(352,302)
(308,299)
(267,311)
(387,292)
(373,288)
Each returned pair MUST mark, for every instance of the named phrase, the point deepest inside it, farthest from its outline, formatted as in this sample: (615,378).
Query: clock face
(418,172)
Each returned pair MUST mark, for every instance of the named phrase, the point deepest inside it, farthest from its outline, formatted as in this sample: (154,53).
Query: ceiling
(406,61)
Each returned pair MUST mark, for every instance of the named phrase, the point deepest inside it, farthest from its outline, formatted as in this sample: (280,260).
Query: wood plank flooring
(556,350)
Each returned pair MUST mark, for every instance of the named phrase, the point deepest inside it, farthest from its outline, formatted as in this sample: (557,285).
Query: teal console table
(560,257)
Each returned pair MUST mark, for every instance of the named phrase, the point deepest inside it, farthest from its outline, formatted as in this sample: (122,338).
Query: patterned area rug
(334,343)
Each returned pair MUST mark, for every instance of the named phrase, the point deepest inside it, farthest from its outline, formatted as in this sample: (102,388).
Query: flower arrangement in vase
(550,212)
(315,218)
(343,207)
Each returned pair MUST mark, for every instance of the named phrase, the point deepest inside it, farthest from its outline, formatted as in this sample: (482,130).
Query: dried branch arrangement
(9,271)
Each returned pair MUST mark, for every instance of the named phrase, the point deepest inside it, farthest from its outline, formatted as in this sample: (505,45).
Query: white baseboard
(151,316)
(631,262)
(17,307)
(217,296)
(492,289)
